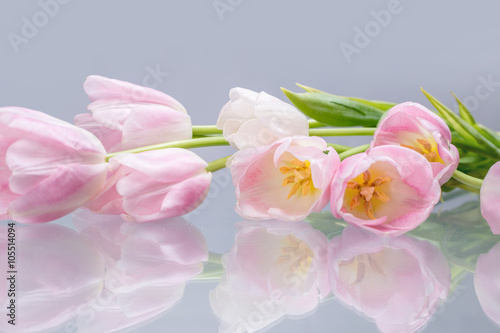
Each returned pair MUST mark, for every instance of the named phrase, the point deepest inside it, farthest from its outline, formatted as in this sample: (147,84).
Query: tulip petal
(102,88)
(490,196)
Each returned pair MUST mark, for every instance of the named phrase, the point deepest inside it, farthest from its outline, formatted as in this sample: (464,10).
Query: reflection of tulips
(398,282)
(274,269)
(58,271)
(147,268)
(487,283)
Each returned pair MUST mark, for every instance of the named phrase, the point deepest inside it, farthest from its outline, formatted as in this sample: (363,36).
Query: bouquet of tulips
(130,157)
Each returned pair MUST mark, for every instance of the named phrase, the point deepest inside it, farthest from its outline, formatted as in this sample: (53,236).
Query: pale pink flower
(398,282)
(487,283)
(490,198)
(125,116)
(252,119)
(286,180)
(413,126)
(147,267)
(48,167)
(274,269)
(388,190)
(58,271)
(152,185)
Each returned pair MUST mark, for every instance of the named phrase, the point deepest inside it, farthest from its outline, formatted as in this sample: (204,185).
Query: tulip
(487,283)
(398,282)
(413,126)
(48,167)
(125,116)
(58,271)
(490,197)
(388,190)
(274,269)
(152,185)
(253,119)
(286,180)
(147,267)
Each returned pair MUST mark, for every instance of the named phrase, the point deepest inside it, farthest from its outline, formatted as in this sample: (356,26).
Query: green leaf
(488,133)
(464,112)
(466,130)
(334,110)
(381,105)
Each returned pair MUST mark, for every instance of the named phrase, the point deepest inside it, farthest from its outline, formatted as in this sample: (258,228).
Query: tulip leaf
(488,133)
(381,105)
(334,110)
(464,112)
(466,130)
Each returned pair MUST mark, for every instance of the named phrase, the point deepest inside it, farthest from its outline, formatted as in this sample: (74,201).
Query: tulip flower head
(388,190)
(413,126)
(286,180)
(490,197)
(253,119)
(152,185)
(48,167)
(125,116)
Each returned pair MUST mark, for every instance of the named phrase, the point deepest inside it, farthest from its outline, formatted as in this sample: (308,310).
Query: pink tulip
(126,116)
(274,269)
(152,185)
(58,271)
(487,283)
(286,180)
(397,282)
(490,198)
(147,267)
(48,168)
(253,119)
(413,126)
(389,190)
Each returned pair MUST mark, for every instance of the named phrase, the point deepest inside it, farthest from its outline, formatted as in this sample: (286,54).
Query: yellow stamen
(427,148)
(366,191)
(298,173)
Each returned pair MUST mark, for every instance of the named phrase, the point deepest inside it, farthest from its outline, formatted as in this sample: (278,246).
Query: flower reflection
(274,269)
(398,282)
(58,271)
(147,268)
(487,283)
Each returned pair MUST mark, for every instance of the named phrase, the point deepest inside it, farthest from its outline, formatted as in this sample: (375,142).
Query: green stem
(342,131)
(206,130)
(217,164)
(354,151)
(314,124)
(468,188)
(192,143)
(467,180)
(202,130)
(215,258)
(339,148)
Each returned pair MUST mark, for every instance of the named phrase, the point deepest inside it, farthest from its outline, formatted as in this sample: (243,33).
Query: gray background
(443,46)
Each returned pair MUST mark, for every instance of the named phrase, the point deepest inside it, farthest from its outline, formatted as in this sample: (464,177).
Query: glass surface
(98,273)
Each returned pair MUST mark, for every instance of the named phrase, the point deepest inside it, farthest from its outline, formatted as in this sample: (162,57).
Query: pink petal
(490,198)
(99,88)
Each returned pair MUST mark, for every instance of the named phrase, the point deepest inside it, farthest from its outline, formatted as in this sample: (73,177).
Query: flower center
(297,254)
(361,266)
(298,174)
(367,190)
(428,148)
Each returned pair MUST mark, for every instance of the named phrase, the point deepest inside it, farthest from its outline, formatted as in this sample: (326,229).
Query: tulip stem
(339,148)
(342,131)
(467,180)
(217,164)
(192,143)
(353,151)
(314,124)
(206,130)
